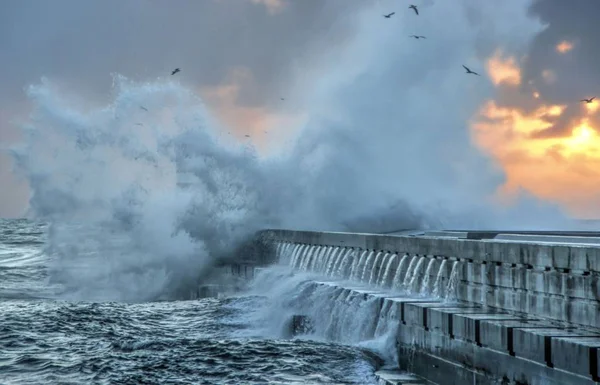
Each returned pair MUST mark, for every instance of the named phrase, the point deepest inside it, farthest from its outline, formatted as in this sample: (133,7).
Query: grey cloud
(79,44)
(577,71)
(83,42)
(408,106)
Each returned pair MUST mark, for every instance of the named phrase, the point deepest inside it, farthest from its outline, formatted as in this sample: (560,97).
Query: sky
(549,138)
(537,60)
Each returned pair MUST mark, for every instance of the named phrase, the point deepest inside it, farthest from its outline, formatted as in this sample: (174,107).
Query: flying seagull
(588,100)
(175,71)
(143,108)
(282,98)
(139,124)
(469,71)
(418,37)
(414,7)
(389,15)
(247,136)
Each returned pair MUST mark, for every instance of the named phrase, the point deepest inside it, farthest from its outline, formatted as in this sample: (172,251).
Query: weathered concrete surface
(556,281)
(577,354)
(525,313)
(432,353)
(572,257)
(549,239)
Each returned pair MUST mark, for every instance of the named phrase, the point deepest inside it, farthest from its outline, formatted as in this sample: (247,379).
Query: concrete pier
(524,312)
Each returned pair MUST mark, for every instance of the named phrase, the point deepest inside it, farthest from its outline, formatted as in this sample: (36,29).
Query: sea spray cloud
(386,137)
(107,179)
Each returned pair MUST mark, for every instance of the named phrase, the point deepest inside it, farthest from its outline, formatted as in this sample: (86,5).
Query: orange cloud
(503,70)
(565,170)
(564,47)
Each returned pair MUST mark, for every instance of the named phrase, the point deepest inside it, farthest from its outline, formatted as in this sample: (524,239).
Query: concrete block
(536,344)
(401,302)
(503,276)
(498,334)
(508,299)
(584,312)
(415,313)
(498,297)
(467,326)
(472,272)
(452,361)
(442,318)
(438,317)
(578,257)
(581,286)
(562,284)
(578,355)
(393,308)
(593,259)
(549,282)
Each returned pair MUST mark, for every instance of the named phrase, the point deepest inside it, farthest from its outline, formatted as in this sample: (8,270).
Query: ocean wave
(165,342)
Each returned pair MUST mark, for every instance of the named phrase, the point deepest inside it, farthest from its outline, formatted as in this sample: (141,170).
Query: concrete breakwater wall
(470,311)
(556,281)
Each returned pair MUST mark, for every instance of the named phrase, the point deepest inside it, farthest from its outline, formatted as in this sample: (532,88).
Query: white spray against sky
(386,136)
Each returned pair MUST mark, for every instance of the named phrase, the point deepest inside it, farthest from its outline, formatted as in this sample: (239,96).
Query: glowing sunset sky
(562,167)
(537,58)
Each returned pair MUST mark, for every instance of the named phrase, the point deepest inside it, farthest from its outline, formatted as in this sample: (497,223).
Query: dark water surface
(44,339)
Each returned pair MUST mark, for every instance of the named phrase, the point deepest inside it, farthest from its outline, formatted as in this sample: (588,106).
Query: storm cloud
(79,45)
(339,61)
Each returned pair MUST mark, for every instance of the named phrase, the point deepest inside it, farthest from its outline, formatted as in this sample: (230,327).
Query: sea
(49,338)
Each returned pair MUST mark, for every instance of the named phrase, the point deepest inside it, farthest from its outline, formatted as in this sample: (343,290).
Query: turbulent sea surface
(45,339)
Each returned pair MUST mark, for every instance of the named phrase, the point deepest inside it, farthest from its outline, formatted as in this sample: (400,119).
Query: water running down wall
(484,312)
(429,277)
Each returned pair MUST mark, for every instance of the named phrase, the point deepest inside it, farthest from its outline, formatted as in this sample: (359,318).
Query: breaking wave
(138,210)
(143,201)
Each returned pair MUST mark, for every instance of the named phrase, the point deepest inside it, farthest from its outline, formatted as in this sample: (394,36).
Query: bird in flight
(144,108)
(389,15)
(588,100)
(282,98)
(247,136)
(469,71)
(418,37)
(175,71)
(414,8)
(139,124)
